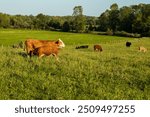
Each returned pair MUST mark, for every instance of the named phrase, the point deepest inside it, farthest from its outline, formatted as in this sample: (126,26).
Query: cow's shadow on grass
(26,57)
(23,54)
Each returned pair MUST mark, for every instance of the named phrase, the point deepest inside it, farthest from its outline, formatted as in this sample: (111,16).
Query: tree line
(125,20)
(133,19)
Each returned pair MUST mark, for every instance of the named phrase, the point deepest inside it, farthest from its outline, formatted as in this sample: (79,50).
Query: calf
(128,44)
(142,49)
(46,51)
(98,48)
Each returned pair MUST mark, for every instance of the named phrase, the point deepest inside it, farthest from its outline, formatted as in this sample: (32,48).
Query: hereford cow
(33,44)
(142,49)
(98,48)
(128,44)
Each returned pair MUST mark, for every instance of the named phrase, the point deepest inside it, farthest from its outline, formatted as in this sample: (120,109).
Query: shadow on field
(23,54)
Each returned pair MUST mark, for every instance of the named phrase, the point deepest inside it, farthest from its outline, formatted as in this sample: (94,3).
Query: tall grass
(116,73)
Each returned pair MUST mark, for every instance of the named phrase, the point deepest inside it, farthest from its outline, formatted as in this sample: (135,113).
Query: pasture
(116,73)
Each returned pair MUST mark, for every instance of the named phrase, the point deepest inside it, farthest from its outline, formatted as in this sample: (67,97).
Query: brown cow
(46,51)
(142,49)
(98,48)
(32,44)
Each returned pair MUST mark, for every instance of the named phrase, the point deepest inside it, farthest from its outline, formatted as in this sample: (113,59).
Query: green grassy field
(116,73)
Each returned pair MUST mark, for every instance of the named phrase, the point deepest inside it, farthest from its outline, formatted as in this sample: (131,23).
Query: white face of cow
(61,44)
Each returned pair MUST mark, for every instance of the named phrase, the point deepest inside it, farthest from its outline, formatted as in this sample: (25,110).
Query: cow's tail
(24,46)
(30,54)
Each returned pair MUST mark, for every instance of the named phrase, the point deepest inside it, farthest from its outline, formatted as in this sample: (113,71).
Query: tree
(141,22)
(4,20)
(114,17)
(42,21)
(104,21)
(91,23)
(66,26)
(114,6)
(126,19)
(79,19)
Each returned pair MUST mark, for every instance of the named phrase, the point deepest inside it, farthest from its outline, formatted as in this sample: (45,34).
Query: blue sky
(61,7)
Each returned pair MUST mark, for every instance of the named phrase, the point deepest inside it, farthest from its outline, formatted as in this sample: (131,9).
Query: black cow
(82,47)
(128,44)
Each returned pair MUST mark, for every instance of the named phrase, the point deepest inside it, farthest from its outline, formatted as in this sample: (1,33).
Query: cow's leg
(41,55)
(31,53)
(55,55)
(28,49)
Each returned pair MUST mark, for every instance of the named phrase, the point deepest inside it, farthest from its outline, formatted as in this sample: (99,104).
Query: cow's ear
(57,42)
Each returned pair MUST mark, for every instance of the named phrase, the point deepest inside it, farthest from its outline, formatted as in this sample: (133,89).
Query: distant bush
(119,33)
(102,33)
(146,34)
(109,32)
(125,34)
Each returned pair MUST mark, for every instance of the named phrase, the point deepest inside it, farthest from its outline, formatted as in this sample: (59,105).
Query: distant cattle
(128,44)
(82,47)
(33,44)
(142,49)
(98,48)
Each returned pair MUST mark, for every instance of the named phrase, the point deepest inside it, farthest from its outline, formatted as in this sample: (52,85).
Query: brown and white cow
(31,44)
(98,48)
(142,49)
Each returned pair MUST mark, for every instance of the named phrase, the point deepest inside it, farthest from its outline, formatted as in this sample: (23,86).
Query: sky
(61,7)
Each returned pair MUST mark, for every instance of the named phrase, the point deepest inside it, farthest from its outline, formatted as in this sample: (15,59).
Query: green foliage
(4,21)
(109,32)
(125,34)
(104,21)
(116,73)
(79,19)
(66,27)
(133,19)
(114,6)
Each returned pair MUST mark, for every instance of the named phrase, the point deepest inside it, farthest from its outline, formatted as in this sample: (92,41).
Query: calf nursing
(33,44)
(43,48)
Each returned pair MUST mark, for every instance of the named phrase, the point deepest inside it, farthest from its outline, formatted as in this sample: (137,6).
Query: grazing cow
(32,44)
(128,44)
(82,47)
(98,48)
(142,49)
